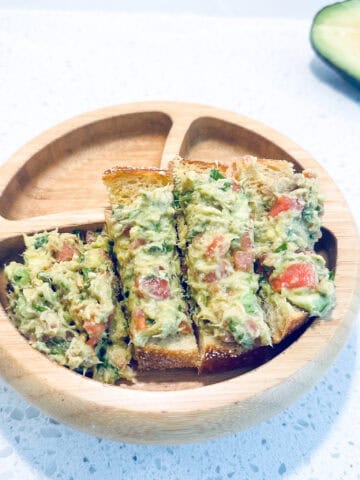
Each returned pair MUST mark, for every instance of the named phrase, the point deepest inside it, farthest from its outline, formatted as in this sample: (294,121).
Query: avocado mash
(287,209)
(63,300)
(145,246)
(216,236)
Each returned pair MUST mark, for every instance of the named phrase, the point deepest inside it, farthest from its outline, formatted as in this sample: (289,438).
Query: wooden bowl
(55,181)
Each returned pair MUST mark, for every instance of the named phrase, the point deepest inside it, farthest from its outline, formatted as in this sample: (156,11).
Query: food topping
(215,232)
(145,244)
(63,299)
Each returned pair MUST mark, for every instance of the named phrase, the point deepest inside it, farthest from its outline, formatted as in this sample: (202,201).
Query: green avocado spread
(146,250)
(234,255)
(215,233)
(287,209)
(63,299)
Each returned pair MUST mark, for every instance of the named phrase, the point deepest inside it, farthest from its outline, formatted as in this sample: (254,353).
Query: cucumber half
(335,37)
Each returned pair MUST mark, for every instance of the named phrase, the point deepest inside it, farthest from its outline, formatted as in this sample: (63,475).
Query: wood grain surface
(54,181)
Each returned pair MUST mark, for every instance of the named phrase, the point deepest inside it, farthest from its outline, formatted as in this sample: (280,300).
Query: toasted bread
(267,177)
(124,183)
(215,354)
(160,351)
(282,317)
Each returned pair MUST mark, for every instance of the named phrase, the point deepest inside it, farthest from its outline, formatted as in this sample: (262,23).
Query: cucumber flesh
(335,36)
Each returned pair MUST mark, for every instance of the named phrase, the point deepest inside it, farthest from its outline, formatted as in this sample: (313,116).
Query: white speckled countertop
(56,64)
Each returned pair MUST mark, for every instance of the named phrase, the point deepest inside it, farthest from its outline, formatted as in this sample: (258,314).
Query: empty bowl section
(210,139)
(66,173)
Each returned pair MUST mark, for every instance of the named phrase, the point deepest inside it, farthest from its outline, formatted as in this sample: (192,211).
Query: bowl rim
(319,344)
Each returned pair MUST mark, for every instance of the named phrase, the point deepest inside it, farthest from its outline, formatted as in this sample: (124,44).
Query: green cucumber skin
(346,75)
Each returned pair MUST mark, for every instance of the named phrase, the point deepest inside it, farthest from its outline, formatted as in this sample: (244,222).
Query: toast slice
(141,224)
(63,300)
(287,209)
(221,356)
(216,238)
(281,199)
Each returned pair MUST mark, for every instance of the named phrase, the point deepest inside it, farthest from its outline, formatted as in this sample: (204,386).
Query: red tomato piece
(243,261)
(126,230)
(246,242)
(217,247)
(221,272)
(94,330)
(296,275)
(309,174)
(210,277)
(282,204)
(138,242)
(139,318)
(185,327)
(253,327)
(90,236)
(153,287)
(66,253)
(235,186)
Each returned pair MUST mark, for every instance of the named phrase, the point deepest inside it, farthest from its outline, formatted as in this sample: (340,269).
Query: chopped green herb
(176,199)
(44,276)
(81,257)
(215,174)
(185,198)
(149,321)
(156,226)
(226,186)
(85,272)
(21,276)
(331,275)
(158,250)
(40,308)
(281,248)
(58,347)
(150,277)
(41,241)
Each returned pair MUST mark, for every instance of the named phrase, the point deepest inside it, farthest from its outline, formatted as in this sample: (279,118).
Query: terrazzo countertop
(56,64)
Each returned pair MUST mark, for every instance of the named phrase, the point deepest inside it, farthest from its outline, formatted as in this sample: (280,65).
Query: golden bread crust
(287,325)
(125,183)
(155,356)
(216,356)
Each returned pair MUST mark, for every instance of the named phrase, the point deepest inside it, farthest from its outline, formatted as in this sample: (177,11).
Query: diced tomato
(66,253)
(126,230)
(296,275)
(227,337)
(153,287)
(282,204)
(217,247)
(94,330)
(253,327)
(185,327)
(309,174)
(221,272)
(235,186)
(93,341)
(139,318)
(210,277)
(90,236)
(138,242)
(243,261)
(246,243)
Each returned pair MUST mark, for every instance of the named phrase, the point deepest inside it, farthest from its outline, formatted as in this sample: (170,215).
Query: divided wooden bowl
(54,181)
